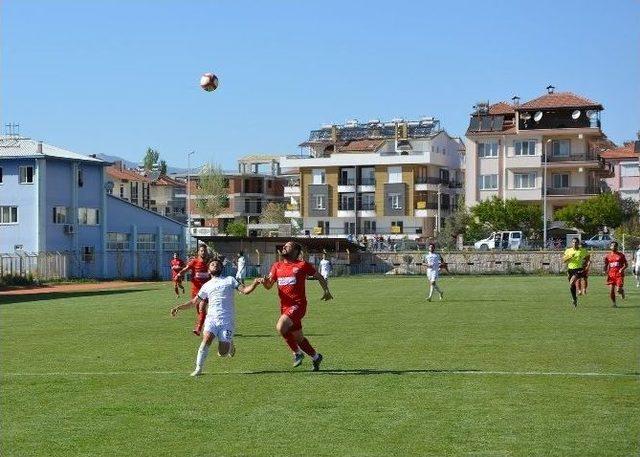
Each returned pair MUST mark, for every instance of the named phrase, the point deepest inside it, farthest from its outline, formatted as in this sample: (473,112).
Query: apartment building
(626,170)
(517,150)
(397,178)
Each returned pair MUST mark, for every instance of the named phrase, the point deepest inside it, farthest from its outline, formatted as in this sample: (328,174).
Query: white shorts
(432,274)
(325,275)
(221,330)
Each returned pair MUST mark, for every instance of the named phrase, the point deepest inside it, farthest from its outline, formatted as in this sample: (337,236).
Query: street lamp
(189,201)
(545,154)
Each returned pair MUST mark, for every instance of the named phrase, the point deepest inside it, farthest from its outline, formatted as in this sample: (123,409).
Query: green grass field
(504,366)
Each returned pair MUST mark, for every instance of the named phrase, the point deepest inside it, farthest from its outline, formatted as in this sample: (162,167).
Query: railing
(580,190)
(431,180)
(366,207)
(347,182)
(431,205)
(368,182)
(589,155)
(293,182)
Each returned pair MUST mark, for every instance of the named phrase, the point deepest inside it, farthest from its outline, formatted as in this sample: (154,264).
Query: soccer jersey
(637,258)
(614,261)
(176,266)
(576,258)
(325,268)
(291,277)
(433,261)
(219,291)
(199,271)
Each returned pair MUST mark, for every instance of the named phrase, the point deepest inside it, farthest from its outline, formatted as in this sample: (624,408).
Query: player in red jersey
(176,266)
(199,268)
(290,274)
(615,263)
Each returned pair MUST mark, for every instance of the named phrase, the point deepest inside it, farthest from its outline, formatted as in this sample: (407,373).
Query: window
(118,241)
(88,253)
(247,205)
(525,148)
(396,226)
(489,149)
(26,175)
(396,201)
(561,148)
(395,174)
(269,184)
(346,202)
(349,228)
(8,214)
(560,181)
(629,169)
(369,226)
(0,175)
(444,174)
(524,180)
(60,215)
(80,177)
(134,192)
(121,190)
(171,242)
(319,176)
(88,216)
(348,177)
(146,241)
(368,176)
(488,182)
(320,202)
(323,227)
(368,202)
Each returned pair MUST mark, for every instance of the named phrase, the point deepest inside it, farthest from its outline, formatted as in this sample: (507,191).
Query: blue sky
(115,77)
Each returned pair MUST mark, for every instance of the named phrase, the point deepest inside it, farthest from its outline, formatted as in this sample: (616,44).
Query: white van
(501,240)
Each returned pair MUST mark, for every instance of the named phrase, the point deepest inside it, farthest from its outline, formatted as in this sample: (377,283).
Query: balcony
(572,191)
(292,210)
(430,183)
(584,157)
(367,209)
(347,185)
(292,191)
(368,182)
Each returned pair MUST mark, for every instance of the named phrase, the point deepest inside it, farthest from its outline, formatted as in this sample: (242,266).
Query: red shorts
(615,279)
(177,279)
(295,313)
(195,288)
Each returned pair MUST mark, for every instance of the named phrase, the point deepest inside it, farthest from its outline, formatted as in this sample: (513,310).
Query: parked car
(501,240)
(599,241)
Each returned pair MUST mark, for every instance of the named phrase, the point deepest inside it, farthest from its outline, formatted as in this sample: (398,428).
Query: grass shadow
(23,298)
(366,371)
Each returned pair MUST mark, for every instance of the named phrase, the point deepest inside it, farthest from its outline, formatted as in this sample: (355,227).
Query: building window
(368,176)
(269,184)
(26,175)
(80,177)
(395,174)
(396,201)
(319,176)
(88,254)
(0,175)
(320,202)
(88,216)
(560,181)
(396,226)
(118,241)
(346,202)
(368,202)
(322,228)
(146,241)
(525,148)
(369,227)
(561,148)
(524,180)
(349,228)
(629,169)
(134,192)
(121,190)
(444,175)
(171,242)
(8,214)
(489,149)
(488,182)
(60,215)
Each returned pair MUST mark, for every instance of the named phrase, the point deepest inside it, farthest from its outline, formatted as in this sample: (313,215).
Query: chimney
(550,89)
(516,100)
(39,148)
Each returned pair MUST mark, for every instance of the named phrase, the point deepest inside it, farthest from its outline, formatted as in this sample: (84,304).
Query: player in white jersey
(219,291)
(325,267)
(636,266)
(434,261)
(242,269)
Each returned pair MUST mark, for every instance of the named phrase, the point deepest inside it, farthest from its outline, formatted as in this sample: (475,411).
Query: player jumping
(636,266)
(220,320)
(176,266)
(290,274)
(576,258)
(434,261)
(615,263)
(199,268)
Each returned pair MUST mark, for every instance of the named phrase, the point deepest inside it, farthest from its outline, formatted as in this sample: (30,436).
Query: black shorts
(577,272)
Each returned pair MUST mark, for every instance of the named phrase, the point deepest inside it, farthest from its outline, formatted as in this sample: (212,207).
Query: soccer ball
(209,82)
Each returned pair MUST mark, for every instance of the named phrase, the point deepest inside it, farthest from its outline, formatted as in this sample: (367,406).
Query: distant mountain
(130,164)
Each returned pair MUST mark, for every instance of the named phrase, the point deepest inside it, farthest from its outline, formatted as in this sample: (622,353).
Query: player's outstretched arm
(246,290)
(268,282)
(195,301)
(325,287)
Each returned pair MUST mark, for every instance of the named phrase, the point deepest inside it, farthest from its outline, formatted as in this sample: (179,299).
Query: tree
(211,193)
(273,213)
(512,214)
(151,157)
(163,167)
(593,214)
(236,228)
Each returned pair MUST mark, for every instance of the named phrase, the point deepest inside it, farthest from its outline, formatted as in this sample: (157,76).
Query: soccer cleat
(441,295)
(428,298)
(197,331)
(196,372)
(575,303)
(297,359)
(232,350)
(317,362)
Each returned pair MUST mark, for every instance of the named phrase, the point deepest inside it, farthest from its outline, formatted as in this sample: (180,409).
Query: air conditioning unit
(69,229)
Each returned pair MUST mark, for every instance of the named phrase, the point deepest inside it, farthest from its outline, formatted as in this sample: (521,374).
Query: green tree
(151,157)
(593,214)
(273,213)
(163,167)
(211,193)
(512,214)
(236,228)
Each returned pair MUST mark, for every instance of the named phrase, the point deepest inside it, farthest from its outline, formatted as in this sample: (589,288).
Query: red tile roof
(115,172)
(362,145)
(167,181)
(624,152)
(501,108)
(560,100)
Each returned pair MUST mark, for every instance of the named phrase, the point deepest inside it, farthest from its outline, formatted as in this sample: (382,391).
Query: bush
(17,280)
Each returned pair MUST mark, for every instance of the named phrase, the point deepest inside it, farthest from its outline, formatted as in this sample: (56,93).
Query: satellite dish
(525,116)
(591,113)
(575,114)
(537,116)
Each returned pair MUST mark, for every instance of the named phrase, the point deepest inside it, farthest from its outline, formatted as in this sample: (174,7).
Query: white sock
(203,352)
(430,290)
(435,286)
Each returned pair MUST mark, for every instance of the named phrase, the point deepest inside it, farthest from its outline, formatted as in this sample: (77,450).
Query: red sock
(199,322)
(291,341)
(306,347)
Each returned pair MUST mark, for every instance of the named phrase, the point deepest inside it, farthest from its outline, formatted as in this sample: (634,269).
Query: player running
(325,267)
(636,266)
(576,258)
(220,321)
(177,264)
(290,274)
(434,261)
(199,268)
(615,263)
(242,269)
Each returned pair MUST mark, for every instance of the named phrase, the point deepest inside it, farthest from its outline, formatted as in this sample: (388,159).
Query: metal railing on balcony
(366,206)
(347,182)
(432,205)
(293,182)
(368,182)
(576,190)
(585,156)
(431,180)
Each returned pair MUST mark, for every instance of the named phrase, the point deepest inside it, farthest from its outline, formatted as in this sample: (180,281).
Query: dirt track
(71,287)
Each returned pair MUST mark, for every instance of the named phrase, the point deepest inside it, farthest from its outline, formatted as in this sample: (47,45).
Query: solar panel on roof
(474,125)
(497,123)
(485,123)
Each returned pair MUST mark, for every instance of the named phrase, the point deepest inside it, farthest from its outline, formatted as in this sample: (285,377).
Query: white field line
(335,372)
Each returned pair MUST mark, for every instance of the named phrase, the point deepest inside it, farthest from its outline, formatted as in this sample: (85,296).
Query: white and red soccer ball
(209,82)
